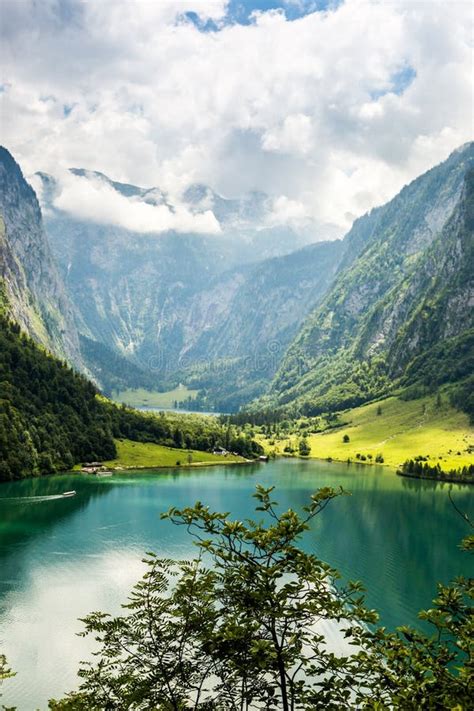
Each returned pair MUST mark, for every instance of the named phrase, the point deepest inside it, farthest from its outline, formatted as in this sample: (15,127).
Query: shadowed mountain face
(36,296)
(402,310)
(236,357)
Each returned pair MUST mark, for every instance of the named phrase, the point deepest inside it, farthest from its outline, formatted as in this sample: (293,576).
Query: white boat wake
(32,499)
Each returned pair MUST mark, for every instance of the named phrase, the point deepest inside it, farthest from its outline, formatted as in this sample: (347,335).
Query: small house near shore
(92,467)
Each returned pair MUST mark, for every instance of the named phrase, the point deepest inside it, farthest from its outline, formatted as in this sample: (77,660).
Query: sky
(329,107)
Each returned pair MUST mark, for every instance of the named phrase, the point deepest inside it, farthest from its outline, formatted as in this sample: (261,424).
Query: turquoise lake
(61,558)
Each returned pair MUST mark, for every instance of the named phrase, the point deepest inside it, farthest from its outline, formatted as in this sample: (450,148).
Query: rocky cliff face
(268,301)
(407,291)
(31,283)
(435,304)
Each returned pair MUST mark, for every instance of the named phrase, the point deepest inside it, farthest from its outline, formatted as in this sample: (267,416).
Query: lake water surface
(62,558)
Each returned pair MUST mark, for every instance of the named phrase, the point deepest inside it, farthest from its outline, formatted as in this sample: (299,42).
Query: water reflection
(60,559)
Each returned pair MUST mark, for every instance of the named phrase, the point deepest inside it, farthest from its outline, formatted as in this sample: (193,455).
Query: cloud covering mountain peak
(91,196)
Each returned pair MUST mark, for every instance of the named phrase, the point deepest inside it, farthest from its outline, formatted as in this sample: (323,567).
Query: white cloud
(285,211)
(295,135)
(307,109)
(93,199)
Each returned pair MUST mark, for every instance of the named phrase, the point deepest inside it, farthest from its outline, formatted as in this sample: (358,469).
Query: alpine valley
(261,320)
(214,311)
(243,317)
(400,311)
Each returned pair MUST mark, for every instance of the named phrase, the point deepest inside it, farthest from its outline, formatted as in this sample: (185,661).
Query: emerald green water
(61,558)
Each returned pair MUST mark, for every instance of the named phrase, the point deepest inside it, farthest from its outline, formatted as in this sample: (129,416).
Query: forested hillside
(114,371)
(52,417)
(401,314)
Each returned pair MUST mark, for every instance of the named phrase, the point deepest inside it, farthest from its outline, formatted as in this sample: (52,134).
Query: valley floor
(139,397)
(137,455)
(402,430)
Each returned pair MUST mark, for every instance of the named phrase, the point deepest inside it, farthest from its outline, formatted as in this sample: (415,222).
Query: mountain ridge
(350,332)
(30,280)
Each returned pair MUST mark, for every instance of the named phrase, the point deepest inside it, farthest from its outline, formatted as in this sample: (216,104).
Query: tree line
(420,468)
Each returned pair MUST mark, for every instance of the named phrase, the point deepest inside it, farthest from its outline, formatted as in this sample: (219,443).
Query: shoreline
(158,467)
(243,463)
(373,463)
(117,470)
(196,465)
(448,478)
(336,460)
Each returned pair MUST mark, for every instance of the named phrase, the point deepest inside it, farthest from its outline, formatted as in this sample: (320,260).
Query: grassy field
(403,430)
(138,454)
(148,398)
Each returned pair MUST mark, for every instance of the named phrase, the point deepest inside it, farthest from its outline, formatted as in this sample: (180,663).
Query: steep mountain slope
(401,302)
(237,354)
(435,301)
(133,290)
(49,415)
(270,301)
(29,277)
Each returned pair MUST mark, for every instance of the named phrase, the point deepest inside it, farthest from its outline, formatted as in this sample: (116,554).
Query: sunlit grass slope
(146,454)
(403,430)
(140,397)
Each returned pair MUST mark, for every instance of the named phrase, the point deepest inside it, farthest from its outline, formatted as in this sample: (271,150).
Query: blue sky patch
(402,79)
(399,82)
(240,11)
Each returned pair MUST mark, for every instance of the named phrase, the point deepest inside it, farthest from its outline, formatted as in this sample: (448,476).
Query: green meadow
(397,430)
(139,397)
(146,454)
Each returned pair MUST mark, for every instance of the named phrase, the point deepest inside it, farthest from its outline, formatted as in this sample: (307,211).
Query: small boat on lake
(69,493)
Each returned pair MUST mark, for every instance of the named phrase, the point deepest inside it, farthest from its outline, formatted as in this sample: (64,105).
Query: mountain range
(253,316)
(192,307)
